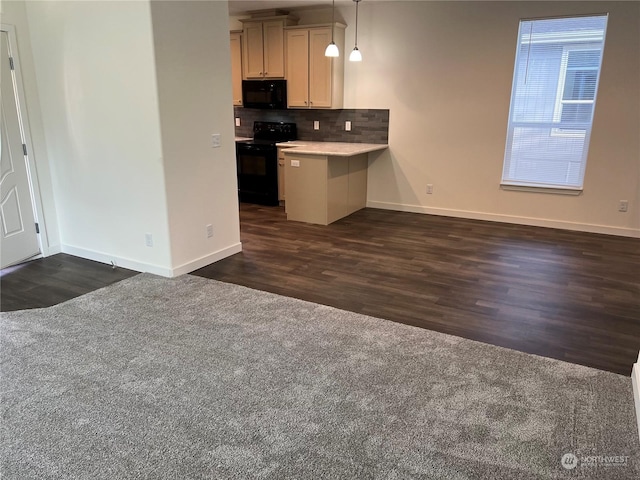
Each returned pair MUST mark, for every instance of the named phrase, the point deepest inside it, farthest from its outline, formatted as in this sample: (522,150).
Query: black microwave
(271,94)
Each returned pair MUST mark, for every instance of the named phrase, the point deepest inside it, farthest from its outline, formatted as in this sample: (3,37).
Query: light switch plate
(316,125)
(295,163)
(347,126)
(215,140)
(237,121)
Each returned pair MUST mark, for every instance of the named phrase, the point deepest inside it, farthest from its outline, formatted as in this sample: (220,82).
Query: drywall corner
(635,380)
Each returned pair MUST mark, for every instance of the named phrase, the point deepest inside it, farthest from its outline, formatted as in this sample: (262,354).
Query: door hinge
(37,228)
(24,148)
(11,63)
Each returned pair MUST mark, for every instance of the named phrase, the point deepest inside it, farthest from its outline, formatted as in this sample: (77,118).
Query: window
(553,99)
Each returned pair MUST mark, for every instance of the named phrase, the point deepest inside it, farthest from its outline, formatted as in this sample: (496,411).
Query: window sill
(538,189)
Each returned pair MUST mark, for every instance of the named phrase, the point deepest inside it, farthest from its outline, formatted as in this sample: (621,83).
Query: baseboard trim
(51,250)
(118,261)
(207,259)
(151,268)
(635,380)
(492,217)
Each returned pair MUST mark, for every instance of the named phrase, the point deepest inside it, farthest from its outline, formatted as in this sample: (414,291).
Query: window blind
(553,98)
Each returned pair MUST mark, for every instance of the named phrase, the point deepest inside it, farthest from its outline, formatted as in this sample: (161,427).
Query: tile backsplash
(367,125)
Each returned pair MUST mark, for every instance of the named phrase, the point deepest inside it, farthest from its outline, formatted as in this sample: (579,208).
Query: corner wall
(130,94)
(96,82)
(635,381)
(444,70)
(193,68)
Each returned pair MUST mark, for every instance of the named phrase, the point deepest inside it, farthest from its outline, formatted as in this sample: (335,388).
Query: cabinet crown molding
(287,18)
(316,25)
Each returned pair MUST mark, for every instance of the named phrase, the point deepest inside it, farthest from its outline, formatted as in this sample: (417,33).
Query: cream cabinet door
(273,44)
(320,73)
(281,193)
(252,51)
(236,67)
(298,68)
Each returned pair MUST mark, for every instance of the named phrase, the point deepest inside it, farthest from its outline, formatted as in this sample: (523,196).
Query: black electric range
(257,162)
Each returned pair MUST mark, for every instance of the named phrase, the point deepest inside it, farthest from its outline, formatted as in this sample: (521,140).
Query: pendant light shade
(356,56)
(332,48)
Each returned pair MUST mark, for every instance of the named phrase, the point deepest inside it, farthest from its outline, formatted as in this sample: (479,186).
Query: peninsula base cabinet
(321,189)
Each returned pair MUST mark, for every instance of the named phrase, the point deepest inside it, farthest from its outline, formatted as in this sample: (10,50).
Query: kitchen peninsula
(325,181)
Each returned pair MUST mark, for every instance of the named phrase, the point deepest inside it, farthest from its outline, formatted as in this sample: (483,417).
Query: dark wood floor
(567,295)
(52,280)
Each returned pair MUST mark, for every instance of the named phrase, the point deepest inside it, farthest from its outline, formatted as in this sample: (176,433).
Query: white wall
(444,70)
(194,86)
(96,80)
(635,382)
(131,93)
(14,13)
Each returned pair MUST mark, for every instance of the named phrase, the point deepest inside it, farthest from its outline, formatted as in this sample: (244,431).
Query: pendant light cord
(357,2)
(333,19)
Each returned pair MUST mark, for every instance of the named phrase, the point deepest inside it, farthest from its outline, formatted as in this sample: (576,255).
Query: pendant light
(356,56)
(332,48)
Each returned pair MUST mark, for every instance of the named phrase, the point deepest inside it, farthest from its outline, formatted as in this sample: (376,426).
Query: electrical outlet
(209,231)
(623,206)
(316,125)
(215,140)
(295,163)
(429,188)
(237,121)
(148,240)
(347,126)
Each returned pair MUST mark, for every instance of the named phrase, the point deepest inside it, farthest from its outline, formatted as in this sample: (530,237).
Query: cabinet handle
(305,102)
(240,102)
(260,73)
(310,103)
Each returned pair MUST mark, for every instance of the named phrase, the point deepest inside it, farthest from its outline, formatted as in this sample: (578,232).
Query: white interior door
(18,236)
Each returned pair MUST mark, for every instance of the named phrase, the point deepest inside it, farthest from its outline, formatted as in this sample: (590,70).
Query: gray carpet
(192,378)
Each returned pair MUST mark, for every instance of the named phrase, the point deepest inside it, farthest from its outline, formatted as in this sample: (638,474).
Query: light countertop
(243,139)
(337,149)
